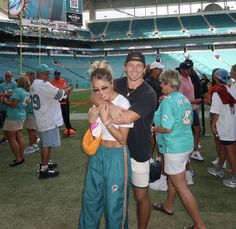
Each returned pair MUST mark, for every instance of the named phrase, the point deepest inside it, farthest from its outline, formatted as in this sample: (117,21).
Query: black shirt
(156,85)
(143,101)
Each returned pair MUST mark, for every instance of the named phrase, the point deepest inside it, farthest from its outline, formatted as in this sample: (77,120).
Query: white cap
(156,65)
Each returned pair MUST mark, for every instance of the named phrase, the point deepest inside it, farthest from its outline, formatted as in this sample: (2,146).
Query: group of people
(33,102)
(128,109)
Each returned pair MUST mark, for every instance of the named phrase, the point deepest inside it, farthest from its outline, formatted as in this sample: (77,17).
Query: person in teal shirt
(175,141)
(16,114)
(30,123)
(6,89)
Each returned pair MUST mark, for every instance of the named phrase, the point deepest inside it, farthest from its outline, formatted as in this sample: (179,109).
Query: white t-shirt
(46,106)
(121,101)
(232,90)
(226,124)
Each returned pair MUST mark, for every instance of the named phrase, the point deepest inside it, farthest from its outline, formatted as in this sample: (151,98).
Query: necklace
(129,91)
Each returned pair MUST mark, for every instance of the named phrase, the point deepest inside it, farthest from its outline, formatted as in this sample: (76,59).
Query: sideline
(78,116)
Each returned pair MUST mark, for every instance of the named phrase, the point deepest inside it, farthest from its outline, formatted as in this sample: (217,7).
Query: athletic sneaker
(3,141)
(36,148)
(48,174)
(189,177)
(215,163)
(29,150)
(216,172)
(51,165)
(230,182)
(196,155)
(160,184)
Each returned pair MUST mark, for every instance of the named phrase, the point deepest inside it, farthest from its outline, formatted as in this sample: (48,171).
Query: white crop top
(121,101)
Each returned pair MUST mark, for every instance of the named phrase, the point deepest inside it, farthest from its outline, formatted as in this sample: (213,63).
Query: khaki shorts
(13,125)
(30,123)
(140,173)
(175,163)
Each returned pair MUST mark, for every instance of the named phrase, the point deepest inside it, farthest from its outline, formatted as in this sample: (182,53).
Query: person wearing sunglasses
(108,175)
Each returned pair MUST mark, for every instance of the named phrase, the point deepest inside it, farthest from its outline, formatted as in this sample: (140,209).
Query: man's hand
(116,114)
(103,112)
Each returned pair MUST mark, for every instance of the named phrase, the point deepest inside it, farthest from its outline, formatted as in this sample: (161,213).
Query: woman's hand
(93,114)
(103,112)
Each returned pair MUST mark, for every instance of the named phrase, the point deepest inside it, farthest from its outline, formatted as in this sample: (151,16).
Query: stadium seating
(117,29)
(143,28)
(97,28)
(9,27)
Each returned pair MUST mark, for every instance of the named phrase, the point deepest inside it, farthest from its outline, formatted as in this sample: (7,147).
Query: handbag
(90,143)
(155,171)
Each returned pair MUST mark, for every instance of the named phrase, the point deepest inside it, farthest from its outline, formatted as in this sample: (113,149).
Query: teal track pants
(105,190)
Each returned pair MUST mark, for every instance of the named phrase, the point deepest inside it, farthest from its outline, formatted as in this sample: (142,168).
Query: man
(6,89)
(156,69)
(48,117)
(198,95)
(143,105)
(60,83)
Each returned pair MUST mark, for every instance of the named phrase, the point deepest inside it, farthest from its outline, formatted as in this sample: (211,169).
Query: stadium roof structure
(116,4)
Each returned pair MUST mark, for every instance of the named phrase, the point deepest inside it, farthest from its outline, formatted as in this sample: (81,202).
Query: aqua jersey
(19,112)
(29,108)
(6,87)
(175,113)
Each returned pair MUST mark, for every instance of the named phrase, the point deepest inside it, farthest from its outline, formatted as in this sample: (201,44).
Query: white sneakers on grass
(196,155)
(160,185)
(31,149)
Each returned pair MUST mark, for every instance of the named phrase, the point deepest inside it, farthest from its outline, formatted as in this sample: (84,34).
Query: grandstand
(174,36)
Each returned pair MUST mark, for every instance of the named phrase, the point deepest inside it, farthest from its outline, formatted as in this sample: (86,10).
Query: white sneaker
(196,156)
(160,184)
(189,177)
(215,163)
(29,150)
(35,146)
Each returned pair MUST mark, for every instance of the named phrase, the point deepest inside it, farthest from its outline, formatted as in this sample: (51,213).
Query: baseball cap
(156,64)
(189,61)
(57,72)
(185,65)
(223,75)
(135,56)
(43,68)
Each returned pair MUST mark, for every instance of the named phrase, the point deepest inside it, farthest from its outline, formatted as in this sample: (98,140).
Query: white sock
(163,177)
(44,168)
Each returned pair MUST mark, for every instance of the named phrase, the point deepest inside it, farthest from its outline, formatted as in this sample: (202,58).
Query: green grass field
(79,96)
(29,203)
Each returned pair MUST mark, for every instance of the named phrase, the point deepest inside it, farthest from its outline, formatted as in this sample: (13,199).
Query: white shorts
(13,125)
(140,173)
(30,123)
(175,163)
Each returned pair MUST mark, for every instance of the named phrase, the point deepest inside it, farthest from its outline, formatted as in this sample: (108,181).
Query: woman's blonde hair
(101,70)
(23,82)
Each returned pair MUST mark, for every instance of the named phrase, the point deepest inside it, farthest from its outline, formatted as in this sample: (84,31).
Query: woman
(175,141)
(223,108)
(16,114)
(107,182)
(30,123)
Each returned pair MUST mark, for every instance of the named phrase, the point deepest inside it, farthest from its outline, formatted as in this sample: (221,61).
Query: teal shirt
(175,113)
(18,112)
(6,87)
(29,108)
